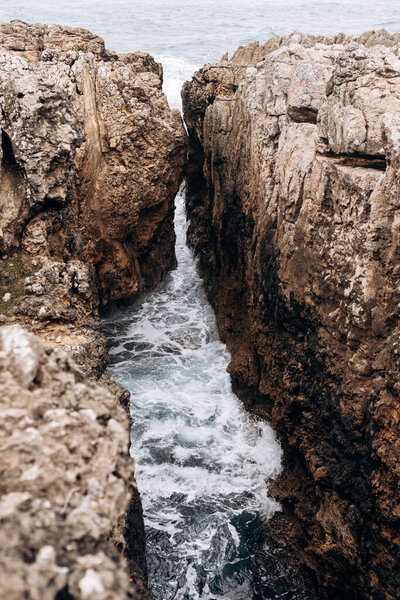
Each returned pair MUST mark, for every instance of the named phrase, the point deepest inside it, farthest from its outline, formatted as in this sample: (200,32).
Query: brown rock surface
(293,193)
(66,477)
(91,158)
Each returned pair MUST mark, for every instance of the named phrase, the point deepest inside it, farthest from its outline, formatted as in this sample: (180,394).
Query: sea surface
(185,34)
(202,463)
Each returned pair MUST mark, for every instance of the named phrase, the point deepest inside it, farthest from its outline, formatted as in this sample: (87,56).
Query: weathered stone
(363,89)
(66,476)
(293,194)
(91,158)
(90,144)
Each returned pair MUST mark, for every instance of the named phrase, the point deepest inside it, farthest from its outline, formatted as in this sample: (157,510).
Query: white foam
(202,462)
(176,71)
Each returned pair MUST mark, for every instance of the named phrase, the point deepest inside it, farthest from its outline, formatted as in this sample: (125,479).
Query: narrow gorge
(202,462)
(256,369)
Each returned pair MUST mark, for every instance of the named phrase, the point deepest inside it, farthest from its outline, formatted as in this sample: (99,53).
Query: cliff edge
(293,194)
(91,158)
(66,478)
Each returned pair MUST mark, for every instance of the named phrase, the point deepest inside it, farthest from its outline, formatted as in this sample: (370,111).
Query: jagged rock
(91,158)
(363,90)
(66,477)
(293,194)
(91,155)
(31,40)
(58,292)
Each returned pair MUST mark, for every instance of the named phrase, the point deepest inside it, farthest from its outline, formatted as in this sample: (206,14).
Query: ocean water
(185,34)
(202,463)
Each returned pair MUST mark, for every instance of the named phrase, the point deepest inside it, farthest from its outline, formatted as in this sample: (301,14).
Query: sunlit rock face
(293,192)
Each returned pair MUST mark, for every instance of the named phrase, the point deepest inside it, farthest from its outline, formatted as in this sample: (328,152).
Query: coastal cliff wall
(91,160)
(293,195)
(66,479)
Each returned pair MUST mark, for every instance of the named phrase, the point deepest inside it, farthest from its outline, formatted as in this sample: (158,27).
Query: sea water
(185,34)
(202,463)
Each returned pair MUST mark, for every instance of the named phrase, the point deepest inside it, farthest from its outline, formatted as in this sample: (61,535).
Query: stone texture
(91,158)
(293,194)
(66,477)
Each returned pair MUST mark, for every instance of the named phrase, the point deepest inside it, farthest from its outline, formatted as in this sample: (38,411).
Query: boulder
(66,478)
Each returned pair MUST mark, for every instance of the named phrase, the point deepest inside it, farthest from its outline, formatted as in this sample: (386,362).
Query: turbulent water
(201,461)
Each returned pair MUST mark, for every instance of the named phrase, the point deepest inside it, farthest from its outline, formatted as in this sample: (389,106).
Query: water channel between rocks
(201,461)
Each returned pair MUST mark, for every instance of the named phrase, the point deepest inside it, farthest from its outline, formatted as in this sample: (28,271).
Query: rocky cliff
(91,159)
(293,194)
(92,153)
(66,477)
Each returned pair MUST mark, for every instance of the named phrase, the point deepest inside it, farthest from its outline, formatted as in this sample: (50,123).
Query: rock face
(293,194)
(91,159)
(66,477)
(91,156)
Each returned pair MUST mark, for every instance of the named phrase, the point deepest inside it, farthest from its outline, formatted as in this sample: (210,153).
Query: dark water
(202,463)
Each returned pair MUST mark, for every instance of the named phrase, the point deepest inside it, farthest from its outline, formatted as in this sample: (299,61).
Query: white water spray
(202,461)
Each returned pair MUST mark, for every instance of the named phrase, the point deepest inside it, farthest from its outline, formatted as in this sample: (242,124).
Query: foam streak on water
(202,462)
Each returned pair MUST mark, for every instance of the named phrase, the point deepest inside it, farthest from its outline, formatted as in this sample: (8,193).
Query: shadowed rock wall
(293,194)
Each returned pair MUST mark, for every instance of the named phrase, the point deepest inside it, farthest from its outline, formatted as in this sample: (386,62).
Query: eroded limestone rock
(91,156)
(66,477)
(91,160)
(294,196)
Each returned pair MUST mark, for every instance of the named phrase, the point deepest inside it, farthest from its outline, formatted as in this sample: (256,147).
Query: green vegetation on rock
(13,271)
